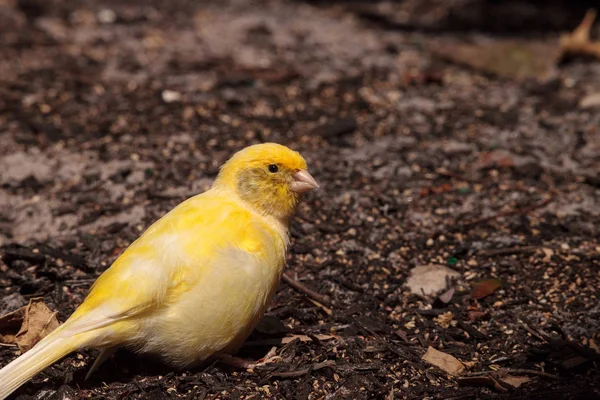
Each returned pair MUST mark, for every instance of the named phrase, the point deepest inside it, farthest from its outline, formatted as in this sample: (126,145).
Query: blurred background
(461,134)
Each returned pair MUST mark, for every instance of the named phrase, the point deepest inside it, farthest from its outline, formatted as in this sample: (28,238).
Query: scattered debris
(468,164)
(445,320)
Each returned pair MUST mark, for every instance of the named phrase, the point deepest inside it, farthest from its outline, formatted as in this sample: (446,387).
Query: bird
(194,285)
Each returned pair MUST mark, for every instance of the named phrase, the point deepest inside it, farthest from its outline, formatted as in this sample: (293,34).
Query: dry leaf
(485,288)
(31,324)
(10,324)
(515,381)
(446,362)
(578,42)
(430,279)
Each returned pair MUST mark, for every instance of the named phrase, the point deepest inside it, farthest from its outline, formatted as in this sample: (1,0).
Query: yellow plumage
(197,281)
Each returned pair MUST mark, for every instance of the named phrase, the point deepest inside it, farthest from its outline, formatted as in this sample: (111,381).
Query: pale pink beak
(303,182)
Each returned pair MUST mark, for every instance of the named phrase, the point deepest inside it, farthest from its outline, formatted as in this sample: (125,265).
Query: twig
(471,330)
(509,250)
(514,211)
(303,371)
(300,287)
(498,360)
(533,332)
(515,371)
(325,309)
(532,372)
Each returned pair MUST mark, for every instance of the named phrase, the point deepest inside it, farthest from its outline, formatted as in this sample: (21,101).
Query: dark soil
(113,112)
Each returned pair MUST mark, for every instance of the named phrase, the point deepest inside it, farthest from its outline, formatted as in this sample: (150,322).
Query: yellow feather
(197,281)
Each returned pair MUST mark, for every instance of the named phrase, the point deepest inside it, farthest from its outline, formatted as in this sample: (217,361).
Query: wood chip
(515,381)
(578,43)
(444,361)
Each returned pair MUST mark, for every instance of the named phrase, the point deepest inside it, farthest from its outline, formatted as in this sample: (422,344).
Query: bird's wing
(163,263)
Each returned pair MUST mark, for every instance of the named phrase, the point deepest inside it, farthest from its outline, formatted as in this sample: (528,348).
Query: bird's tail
(49,350)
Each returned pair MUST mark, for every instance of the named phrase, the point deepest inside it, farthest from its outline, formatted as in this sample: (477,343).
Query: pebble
(170,96)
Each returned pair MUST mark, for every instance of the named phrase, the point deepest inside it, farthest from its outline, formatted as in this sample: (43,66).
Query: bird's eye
(273,168)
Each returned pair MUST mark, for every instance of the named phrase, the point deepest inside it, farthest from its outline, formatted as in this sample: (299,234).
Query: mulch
(111,113)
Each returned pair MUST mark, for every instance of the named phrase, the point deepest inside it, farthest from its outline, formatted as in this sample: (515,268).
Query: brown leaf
(10,324)
(444,361)
(28,325)
(515,381)
(485,288)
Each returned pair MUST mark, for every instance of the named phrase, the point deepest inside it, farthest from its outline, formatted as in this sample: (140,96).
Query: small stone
(107,16)
(590,101)
(170,96)
(430,279)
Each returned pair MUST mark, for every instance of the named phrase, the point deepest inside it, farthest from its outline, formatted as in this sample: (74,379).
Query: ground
(114,112)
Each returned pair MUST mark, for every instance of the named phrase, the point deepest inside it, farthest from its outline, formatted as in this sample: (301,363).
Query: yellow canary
(198,280)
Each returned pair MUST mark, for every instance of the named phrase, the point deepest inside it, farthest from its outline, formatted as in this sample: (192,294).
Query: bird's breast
(221,308)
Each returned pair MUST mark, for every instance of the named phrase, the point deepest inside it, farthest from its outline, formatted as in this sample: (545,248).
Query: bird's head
(267,176)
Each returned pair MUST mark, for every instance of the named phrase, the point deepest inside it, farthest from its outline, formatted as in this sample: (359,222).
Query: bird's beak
(303,182)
